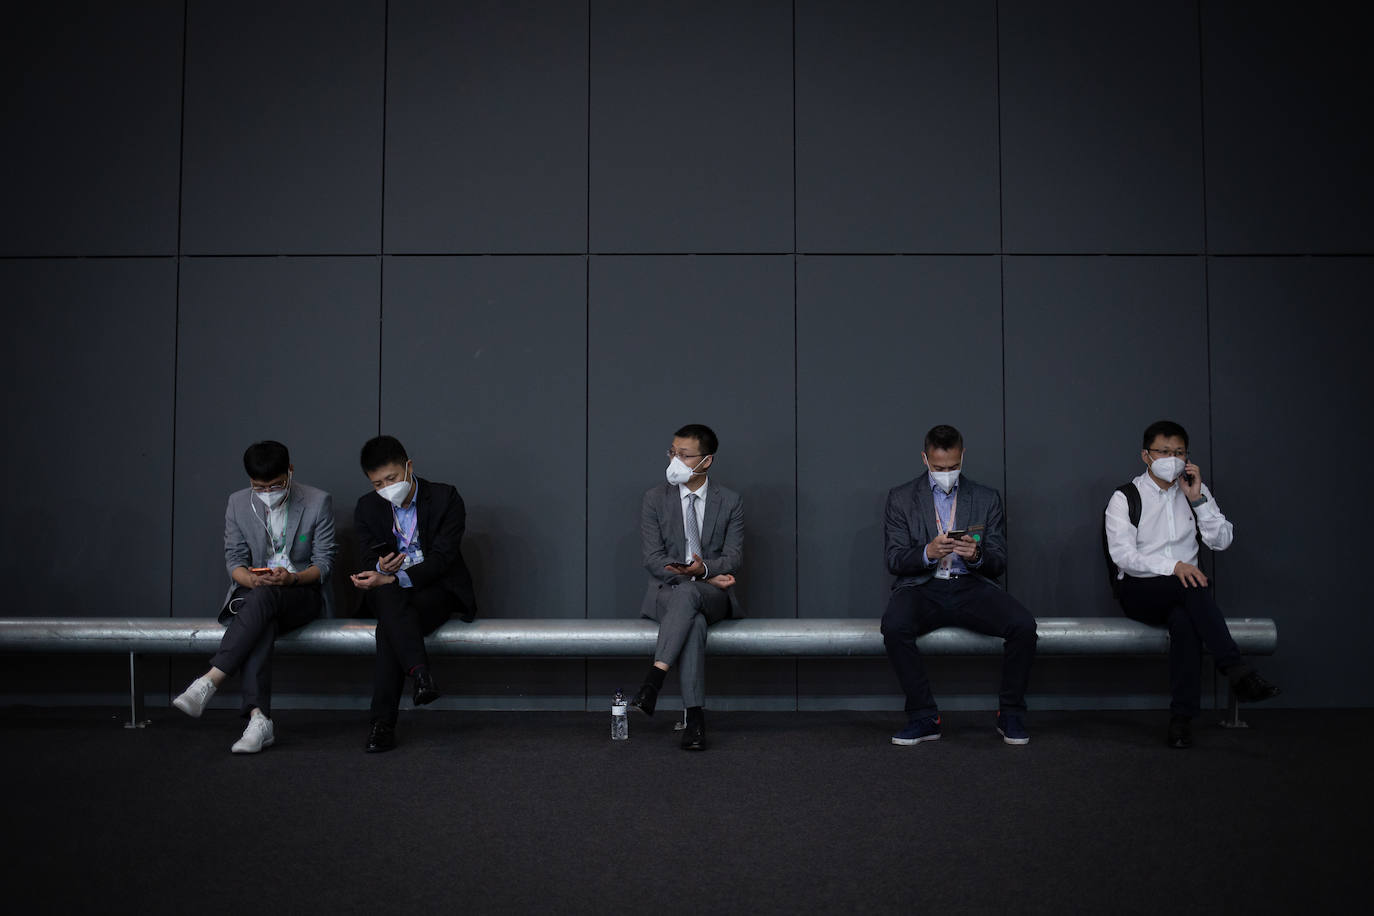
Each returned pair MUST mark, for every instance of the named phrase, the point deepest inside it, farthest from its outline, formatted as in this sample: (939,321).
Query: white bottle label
(618,709)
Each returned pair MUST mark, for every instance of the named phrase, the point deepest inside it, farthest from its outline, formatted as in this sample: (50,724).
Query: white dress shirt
(1166,534)
(700,492)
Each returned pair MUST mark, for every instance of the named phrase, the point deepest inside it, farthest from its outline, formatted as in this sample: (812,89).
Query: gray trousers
(683,613)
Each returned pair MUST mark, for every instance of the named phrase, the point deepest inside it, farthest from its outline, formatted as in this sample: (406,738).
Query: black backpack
(1132,495)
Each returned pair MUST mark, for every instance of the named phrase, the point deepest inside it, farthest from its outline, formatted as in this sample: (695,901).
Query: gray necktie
(693,530)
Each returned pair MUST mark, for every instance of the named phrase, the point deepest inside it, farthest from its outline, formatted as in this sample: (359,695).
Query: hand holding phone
(956,534)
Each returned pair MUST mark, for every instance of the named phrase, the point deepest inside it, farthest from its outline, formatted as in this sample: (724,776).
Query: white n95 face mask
(1167,468)
(397,492)
(679,473)
(945,479)
(272,498)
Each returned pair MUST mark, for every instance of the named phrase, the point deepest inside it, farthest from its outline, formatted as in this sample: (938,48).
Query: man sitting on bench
(1154,525)
(279,548)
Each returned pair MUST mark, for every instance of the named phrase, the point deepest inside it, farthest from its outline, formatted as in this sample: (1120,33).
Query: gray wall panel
(676,340)
(691,126)
(874,372)
(1289,140)
(1101,127)
(269,348)
(896,126)
(1097,349)
(89,373)
(283,135)
(484,380)
(1290,381)
(90,138)
(486,126)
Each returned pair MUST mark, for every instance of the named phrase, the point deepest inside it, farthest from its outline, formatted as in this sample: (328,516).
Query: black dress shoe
(1252,688)
(1180,732)
(425,691)
(381,738)
(646,699)
(694,735)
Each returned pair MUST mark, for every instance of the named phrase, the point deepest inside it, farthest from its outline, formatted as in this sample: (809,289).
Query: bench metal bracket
(136,719)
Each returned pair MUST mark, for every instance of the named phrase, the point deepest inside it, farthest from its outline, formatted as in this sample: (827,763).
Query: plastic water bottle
(620,723)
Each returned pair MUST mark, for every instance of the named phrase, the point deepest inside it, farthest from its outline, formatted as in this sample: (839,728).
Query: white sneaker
(256,736)
(193,701)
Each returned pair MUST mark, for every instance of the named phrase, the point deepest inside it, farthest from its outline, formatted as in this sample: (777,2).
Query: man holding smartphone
(1152,536)
(279,550)
(944,541)
(411,533)
(692,537)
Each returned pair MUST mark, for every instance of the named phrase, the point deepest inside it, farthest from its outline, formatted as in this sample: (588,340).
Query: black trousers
(968,602)
(262,614)
(1195,622)
(405,616)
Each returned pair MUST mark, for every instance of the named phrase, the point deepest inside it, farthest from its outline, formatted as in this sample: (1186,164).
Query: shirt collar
(682,491)
(937,491)
(1150,481)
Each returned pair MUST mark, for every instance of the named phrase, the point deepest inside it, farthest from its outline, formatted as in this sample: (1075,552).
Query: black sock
(694,714)
(655,677)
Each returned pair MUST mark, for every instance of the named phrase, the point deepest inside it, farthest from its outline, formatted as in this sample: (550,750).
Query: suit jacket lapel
(677,535)
(294,508)
(422,513)
(964,508)
(711,521)
(925,504)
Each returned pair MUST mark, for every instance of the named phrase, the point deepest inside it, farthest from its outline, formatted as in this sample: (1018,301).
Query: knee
(684,600)
(1022,630)
(896,625)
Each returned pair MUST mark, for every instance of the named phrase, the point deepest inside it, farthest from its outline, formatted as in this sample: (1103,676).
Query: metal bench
(786,637)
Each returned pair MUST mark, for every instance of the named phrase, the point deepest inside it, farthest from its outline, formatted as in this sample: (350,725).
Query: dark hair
(706,439)
(1166,428)
(942,436)
(381,451)
(266,459)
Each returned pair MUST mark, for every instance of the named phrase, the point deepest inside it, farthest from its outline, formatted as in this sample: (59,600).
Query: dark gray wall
(485,226)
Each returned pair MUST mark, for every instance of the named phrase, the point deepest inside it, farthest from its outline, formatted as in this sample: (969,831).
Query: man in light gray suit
(946,545)
(279,550)
(692,535)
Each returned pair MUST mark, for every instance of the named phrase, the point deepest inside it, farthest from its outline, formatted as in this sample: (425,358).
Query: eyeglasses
(1168,452)
(674,453)
(274,488)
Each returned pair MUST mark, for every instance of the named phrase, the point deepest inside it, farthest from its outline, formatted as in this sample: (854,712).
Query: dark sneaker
(1012,729)
(1180,732)
(918,730)
(1252,688)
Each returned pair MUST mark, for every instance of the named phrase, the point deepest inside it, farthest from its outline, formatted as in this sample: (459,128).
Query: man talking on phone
(691,532)
(1152,537)
(944,539)
(279,549)
(410,532)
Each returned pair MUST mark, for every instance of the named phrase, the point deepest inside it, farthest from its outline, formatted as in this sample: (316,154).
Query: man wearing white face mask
(410,533)
(279,549)
(945,543)
(1152,537)
(692,537)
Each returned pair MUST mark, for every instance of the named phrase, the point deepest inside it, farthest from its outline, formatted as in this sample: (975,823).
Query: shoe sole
(908,742)
(425,699)
(1017,742)
(186,707)
(646,713)
(265,745)
(379,750)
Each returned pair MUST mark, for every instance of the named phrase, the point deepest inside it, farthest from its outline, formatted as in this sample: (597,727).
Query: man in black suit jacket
(410,533)
(945,543)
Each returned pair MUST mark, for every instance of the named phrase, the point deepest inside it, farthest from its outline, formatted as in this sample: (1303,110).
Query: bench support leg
(136,719)
(1233,719)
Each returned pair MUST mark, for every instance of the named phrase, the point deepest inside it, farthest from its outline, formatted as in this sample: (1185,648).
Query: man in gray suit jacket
(279,550)
(692,535)
(946,545)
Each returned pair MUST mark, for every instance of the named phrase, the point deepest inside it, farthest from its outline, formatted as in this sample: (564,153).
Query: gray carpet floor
(787,812)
